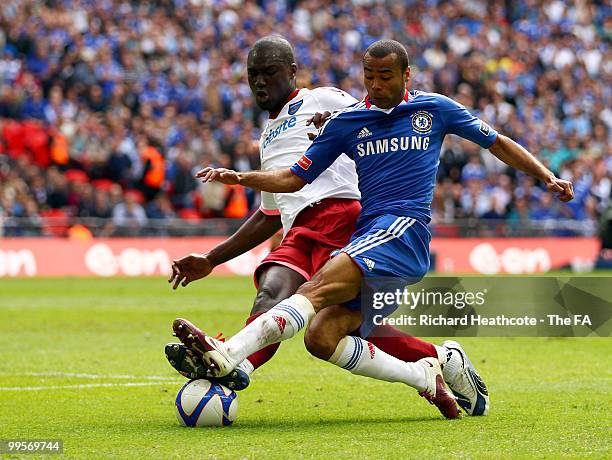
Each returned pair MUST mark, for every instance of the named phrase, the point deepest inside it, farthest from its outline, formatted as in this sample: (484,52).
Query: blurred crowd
(108,107)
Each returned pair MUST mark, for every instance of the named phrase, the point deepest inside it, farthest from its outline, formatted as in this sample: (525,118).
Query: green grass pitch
(87,357)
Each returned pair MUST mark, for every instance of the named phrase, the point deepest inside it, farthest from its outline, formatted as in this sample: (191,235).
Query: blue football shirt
(396,151)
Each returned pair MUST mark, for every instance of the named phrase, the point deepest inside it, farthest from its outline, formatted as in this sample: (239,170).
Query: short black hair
(276,43)
(383,48)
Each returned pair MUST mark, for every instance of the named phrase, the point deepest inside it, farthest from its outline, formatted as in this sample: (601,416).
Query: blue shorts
(392,252)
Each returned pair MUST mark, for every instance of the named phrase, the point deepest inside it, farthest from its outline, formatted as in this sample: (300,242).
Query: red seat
(12,131)
(76,175)
(189,214)
(37,142)
(55,222)
(102,184)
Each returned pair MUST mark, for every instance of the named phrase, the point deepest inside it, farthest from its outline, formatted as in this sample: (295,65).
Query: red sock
(259,358)
(401,345)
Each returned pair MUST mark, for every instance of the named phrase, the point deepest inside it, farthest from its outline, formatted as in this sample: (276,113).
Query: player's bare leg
(331,326)
(279,323)
(275,283)
(337,282)
(327,338)
(328,327)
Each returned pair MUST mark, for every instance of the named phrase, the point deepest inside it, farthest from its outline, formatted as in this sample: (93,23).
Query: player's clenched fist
(223,175)
(189,268)
(563,188)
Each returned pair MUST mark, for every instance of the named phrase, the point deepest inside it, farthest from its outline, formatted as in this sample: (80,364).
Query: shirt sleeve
(268,204)
(460,121)
(321,154)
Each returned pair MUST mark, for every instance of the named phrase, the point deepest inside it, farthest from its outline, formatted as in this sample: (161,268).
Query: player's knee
(266,298)
(337,282)
(309,289)
(319,344)
(322,294)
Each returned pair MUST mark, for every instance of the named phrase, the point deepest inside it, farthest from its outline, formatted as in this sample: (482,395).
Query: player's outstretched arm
(257,229)
(516,156)
(279,181)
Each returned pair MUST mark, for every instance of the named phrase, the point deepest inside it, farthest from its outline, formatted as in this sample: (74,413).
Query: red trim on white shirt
(270,212)
(273,115)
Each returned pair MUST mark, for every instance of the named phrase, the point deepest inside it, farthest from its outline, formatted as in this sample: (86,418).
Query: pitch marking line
(86,385)
(149,380)
(87,376)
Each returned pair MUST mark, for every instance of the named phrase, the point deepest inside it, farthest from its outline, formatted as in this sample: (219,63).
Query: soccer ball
(204,403)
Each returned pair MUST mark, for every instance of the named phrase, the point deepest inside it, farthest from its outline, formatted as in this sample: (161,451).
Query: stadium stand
(107,107)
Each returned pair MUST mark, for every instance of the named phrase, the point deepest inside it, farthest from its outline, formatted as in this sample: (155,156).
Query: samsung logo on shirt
(394,144)
(284,126)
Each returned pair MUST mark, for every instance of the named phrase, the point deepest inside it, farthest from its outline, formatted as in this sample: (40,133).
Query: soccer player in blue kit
(394,137)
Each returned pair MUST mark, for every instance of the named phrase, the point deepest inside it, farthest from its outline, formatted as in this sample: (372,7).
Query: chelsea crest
(421,122)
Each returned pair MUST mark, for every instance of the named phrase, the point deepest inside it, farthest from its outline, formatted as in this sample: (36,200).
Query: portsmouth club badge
(293,108)
(422,121)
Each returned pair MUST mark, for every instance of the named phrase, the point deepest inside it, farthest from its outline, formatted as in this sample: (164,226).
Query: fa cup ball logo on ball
(204,403)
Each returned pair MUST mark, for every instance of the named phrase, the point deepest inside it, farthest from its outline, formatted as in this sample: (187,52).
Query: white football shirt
(285,139)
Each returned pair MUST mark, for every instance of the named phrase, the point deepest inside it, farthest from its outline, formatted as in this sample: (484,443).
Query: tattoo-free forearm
(257,229)
(279,181)
(519,158)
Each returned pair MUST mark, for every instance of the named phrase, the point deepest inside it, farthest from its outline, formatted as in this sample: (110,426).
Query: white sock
(246,366)
(279,323)
(362,358)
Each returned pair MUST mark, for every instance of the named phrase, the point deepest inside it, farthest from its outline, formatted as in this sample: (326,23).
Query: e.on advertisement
(514,256)
(101,260)
(17,262)
(29,257)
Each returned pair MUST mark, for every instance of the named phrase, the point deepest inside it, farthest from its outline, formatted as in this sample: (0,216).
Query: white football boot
(436,392)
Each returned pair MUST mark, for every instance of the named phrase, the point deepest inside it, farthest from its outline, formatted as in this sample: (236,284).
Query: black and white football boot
(192,367)
(463,380)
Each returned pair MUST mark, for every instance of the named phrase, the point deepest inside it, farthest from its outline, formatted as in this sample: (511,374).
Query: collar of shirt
(273,115)
(371,106)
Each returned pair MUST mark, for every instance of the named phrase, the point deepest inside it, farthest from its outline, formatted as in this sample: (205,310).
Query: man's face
(271,80)
(384,80)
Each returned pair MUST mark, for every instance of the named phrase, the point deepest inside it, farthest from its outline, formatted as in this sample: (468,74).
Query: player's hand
(562,188)
(222,175)
(318,119)
(189,268)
